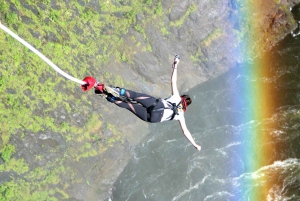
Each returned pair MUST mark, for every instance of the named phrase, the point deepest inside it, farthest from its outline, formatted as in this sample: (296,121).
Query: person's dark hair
(186,101)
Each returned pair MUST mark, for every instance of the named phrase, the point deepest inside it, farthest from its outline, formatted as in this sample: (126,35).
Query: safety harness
(173,107)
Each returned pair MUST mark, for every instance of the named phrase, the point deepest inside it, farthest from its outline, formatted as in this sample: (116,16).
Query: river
(166,167)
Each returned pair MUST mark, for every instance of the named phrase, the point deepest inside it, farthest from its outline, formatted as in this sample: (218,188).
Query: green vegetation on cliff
(79,37)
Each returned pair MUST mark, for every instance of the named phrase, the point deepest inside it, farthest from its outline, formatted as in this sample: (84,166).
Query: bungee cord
(83,83)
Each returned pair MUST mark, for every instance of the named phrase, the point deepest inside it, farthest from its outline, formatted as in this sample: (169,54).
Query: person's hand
(176,60)
(198,147)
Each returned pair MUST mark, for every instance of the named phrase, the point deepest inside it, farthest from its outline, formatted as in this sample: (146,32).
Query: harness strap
(150,109)
(175,109)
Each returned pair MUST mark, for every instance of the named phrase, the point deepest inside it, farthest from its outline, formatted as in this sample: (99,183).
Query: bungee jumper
(149,108)
(146,107)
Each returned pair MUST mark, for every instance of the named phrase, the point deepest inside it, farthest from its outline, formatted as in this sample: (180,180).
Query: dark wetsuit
(140,110)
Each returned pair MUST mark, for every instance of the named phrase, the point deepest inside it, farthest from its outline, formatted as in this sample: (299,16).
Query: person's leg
(136,109)
(144,99)
(141,111)
(113,94)
(117,93)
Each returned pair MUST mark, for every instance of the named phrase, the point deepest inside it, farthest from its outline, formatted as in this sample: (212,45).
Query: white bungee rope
(41,55)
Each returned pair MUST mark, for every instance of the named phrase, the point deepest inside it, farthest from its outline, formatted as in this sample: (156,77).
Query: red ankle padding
(99,87)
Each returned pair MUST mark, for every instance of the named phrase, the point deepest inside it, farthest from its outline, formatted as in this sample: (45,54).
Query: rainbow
(257,96)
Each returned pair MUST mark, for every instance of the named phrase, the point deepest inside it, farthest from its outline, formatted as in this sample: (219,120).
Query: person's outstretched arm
(175,91)
(187,134)
(174,77)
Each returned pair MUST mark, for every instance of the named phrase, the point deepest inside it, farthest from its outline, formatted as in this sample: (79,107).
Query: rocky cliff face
(272,21)
(82,161)
(208,36)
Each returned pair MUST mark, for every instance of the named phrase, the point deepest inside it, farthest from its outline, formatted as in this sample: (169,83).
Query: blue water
(165,165)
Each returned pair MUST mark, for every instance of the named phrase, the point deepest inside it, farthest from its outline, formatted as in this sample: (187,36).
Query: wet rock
(54,5)
(51,37)
(107,133)
(37,35)
(273,22)
(10,91)
(95,5)
(26,19)
(118,14)
(38,150)
(5,177)
(13,8)
(81,2)
(60,115)
(139,17)
(178,10)
(32,8)
(115,153)
(42,6)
